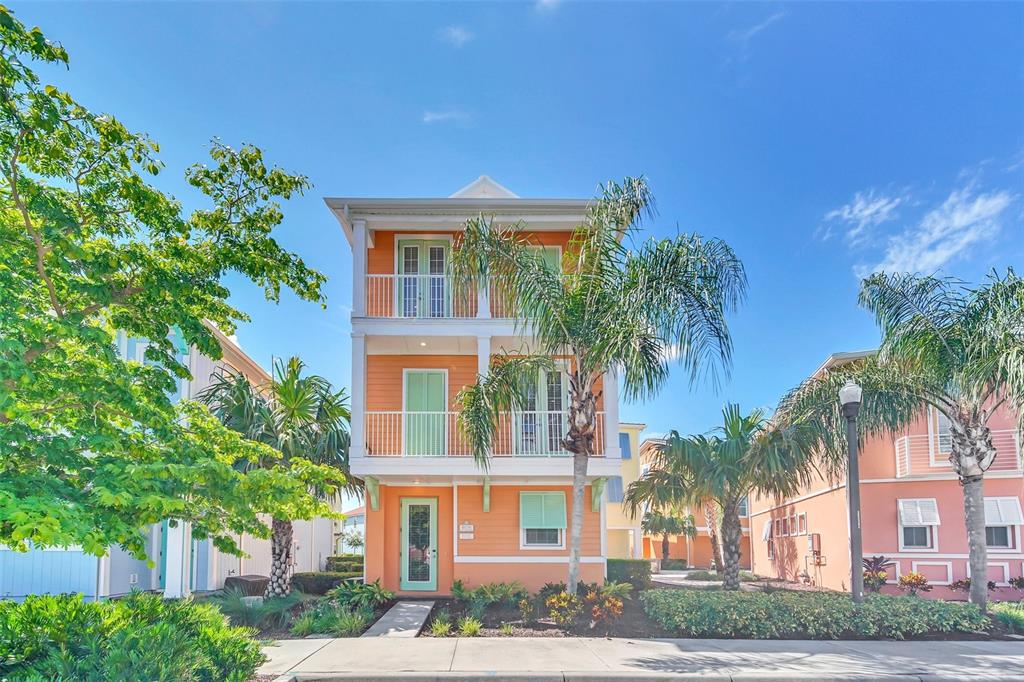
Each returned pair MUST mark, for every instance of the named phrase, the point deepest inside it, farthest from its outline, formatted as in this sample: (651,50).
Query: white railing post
(358,444)
(483,301)
(358,268)
(611,415)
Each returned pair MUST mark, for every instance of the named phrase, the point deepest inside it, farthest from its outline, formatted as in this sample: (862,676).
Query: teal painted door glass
(419,544)
(424,415)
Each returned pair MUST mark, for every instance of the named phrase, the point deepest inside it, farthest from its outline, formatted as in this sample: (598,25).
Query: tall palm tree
(955,348)
(712,521)
(741,456)
(665,524)
(297,416)
(607,309)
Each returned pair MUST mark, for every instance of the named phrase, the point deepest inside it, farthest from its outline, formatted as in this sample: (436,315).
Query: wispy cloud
(456,36)
(865,211)
(446,116)
(745,35)
(546,5)
(963,221)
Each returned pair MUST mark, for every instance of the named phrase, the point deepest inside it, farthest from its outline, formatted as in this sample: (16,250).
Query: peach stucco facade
(433,514)
(806,537)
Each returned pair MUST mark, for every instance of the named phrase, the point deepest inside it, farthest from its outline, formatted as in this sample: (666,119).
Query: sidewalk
(558,659)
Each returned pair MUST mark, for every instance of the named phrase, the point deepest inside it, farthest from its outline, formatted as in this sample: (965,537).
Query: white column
(483,301)
(178,560)
(358,445)
(638,543)
(611,416)
(358,268)
(483,355)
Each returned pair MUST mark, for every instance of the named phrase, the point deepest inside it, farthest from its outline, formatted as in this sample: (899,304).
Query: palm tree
(607,309)
(711,519)
(300,417)
(666,524)
(742,456)
(957,349)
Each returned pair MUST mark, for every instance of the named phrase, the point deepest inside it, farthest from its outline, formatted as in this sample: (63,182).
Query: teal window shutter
(624,446)
(542,510)
(615,492)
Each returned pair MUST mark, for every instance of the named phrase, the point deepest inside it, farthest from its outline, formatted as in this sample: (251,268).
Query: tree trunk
(711,519)
(280,559)
(580,442)
(664,547)
(971,456)
(731,534)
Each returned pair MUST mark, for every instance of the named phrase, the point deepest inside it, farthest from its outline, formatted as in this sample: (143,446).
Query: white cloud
(964,220)
(865,211)
(744,36)
(546,5)
(456,36)
(445,116)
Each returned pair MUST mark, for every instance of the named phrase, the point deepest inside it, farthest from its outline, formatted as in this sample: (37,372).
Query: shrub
(441,628)
(304,624)
(361,595)
(1010,614)
(328,617)
(605,609)
(506,629)
(320,582)
(673,564)
(636,572)
(345,563)
(489,593)
(351,623)
(745,576)
(526,609)
(875,574)
(138,637)
(1017,583)
(813,615)
(564,608)
(914,582)
(964,585)
(617,590)
(275,612)
(469,627)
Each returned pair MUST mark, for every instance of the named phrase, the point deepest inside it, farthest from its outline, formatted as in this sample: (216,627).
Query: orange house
(696,550)
(433,515)
(911,512)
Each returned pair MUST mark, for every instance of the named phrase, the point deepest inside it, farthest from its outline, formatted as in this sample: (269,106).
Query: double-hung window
(542,520)
(919,521)
(1002,519)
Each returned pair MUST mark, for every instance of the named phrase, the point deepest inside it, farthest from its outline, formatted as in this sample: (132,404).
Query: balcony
(436,434)
(923,455)
(429,297)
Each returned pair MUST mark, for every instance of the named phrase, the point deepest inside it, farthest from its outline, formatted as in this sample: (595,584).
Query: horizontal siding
(380,260)
(46,572)
(384,376)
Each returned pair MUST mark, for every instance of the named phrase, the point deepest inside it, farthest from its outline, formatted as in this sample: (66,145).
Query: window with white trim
(919,520)
(801,520)
(1002,516)
(542,520)
(943,433)
(743,507)
(766,535)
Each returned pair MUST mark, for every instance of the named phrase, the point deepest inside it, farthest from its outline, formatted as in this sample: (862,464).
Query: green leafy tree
(303,419)
(92,447)
(737,458)
(607,309)
(665,524)
(956,348)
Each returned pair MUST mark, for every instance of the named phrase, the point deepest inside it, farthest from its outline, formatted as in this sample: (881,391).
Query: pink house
(911,512)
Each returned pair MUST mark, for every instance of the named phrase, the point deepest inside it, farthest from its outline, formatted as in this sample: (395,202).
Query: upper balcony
(430,297)
(924,455)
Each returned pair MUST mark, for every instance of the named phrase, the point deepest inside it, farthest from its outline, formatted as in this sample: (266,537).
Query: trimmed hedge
(321,581)
(636,572)
(140,637)
(673,564)
(344,563)
(805,615)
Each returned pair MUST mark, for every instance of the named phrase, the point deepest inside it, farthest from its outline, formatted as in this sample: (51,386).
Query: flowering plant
(913,583)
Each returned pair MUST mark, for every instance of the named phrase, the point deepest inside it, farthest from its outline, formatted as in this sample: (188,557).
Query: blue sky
(820,140)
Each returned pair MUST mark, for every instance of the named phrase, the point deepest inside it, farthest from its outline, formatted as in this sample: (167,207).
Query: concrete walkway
(404,619)
(561,659)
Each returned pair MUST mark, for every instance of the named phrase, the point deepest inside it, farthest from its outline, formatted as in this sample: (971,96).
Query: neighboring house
(911,511)
(354,522)
(625,539)
(181,564)
(696,550)
(433,515)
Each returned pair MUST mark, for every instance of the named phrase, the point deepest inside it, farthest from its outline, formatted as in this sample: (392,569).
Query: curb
(632,676)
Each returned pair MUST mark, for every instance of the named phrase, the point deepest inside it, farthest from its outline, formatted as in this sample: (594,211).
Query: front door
(419,544)
(424,414)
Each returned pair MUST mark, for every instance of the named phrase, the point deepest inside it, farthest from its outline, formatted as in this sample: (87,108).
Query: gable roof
(484,187)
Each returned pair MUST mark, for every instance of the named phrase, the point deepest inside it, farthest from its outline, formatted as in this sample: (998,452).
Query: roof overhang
(837,359)
(451,214)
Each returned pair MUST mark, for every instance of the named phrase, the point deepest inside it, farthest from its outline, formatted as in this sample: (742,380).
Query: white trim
(948,565)
(1005,582)
(604,527)
(1015,538)
(359,258)
(358,423)
(921,555)
(529,548)
(941,477)
(611,416)
(525,560)
(799,517)
(455,519)
(933,536)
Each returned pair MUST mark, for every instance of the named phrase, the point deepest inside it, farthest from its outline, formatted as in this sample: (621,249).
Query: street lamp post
(849,397)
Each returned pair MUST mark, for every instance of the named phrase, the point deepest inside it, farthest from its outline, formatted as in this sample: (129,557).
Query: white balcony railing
(922,455)
(437,434)
(430,297)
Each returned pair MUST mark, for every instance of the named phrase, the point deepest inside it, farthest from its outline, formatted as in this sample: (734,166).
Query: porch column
(178,560)
(483,301)
(638,543)
(483,355)
(358,268)
(611,415)
(357,446)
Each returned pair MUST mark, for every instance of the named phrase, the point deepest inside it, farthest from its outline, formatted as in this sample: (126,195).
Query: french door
(422,283)
(419,544)
(543,422)
(425,412)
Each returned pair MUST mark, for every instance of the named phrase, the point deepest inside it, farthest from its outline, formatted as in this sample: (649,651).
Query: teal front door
(424,414)
(419,544)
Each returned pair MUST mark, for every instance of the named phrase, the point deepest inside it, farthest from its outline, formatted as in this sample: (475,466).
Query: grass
(745,576)
(1010,614)
(469,627)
